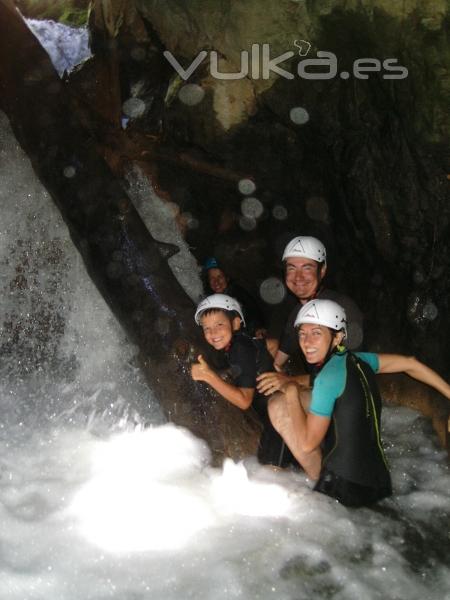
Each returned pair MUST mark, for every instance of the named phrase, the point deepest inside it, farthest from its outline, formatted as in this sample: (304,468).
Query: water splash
(133,108)
(66,46)
(299,115)
(191,94)
(272,290)
(279,212)
(252,207)
(246,186)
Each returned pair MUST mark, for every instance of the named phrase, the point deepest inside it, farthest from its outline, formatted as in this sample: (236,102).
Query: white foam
(54,321)
(67,46)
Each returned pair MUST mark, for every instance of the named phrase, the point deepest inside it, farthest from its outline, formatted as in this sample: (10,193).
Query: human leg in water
(285,411)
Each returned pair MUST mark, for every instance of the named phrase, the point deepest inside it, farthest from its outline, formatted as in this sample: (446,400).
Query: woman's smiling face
(315,341)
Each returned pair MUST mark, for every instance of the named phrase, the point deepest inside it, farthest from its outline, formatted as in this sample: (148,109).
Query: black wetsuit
(354,468)
(246,358)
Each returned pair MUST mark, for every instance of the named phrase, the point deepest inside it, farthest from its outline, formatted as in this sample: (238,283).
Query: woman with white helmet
(340,431)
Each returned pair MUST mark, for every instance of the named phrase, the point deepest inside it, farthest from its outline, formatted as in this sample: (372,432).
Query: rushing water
(100,498)
(66,46)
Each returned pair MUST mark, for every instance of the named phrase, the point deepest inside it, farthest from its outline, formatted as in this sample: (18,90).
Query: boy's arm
(397,363)
(240,397)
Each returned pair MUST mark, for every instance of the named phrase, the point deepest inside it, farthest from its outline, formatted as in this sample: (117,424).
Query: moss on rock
(70,12)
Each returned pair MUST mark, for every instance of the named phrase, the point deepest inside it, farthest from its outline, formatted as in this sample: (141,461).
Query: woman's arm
(271,381)
(240,397)
(397,363)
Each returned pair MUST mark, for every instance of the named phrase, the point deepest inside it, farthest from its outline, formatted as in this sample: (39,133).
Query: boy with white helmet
(304,260)
(340,432)
(220,317)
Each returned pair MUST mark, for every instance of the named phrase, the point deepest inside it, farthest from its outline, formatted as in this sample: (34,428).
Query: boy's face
(303,277)
(218,328)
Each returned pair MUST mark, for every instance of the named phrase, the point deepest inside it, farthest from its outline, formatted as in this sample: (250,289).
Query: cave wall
(367,172)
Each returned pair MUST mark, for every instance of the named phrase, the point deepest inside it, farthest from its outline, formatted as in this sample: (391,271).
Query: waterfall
(66,46)
(101,498)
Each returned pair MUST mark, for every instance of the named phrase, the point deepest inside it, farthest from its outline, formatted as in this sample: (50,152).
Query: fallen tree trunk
(128,266)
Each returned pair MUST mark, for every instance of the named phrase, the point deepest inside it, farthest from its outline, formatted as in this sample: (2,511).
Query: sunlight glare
(141,496)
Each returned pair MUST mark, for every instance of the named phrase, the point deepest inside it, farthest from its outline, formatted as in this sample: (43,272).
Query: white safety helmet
(305,246)
(220,301)
(323,312)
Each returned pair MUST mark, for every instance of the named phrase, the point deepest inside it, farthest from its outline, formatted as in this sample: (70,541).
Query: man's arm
(240,397)
(397,363)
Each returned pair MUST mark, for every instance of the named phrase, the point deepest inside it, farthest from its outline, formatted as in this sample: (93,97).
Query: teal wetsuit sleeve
(371,359)
(328,386)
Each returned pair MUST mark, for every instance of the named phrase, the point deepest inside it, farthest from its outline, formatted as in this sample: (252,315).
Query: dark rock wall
(367,173)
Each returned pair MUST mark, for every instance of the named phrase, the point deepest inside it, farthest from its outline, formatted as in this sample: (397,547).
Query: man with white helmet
(337,440)
(220,317)
(305,265)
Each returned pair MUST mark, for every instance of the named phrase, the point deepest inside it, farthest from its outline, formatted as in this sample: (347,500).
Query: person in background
(217,282)
(340,431)
(221,317)
(305,267)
